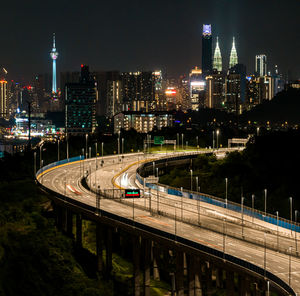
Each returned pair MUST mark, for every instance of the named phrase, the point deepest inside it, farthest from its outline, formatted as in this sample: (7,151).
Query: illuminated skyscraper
(233,55)
(217,62)
(3,99)
(54,55)
(261,65)
(206,49)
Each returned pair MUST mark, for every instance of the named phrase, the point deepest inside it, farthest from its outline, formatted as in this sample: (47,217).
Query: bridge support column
(79,230)
(179,273)
(147,259)
(99,247)
(58,217)
(136,265)
(208,275)
(230,282)
(244,285)
(69,223)
(155,256)
(108,251)
(198,273)
(191,275)
(219,277)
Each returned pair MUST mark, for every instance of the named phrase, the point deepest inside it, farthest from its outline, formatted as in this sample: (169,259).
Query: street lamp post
(226,191)
(102,144)
(218,139)
(177,143)
(41,146)
(191,180)
(67,146)
(252,198)
(182,140)
(34,163)
(90,152)
(58,150)
(290,265)
(265,255)
(291,213)
(118,144)
(265,202)
(153,165)
(86,145)
(181,189)
(122,146)
(242,207)
(213,140)
(277,217)
(296,216)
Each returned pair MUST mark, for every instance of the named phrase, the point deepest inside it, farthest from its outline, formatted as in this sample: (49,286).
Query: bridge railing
(173,237)
(216,201)
(58,163)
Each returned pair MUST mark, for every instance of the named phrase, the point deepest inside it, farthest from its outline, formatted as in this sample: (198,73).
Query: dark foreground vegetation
(271,162)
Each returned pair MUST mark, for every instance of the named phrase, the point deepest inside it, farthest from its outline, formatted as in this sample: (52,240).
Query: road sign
(132,193)
(159,140)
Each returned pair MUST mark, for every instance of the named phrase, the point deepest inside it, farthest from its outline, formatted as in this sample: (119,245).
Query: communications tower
(54,55)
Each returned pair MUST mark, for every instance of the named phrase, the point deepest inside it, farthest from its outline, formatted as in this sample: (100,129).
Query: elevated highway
(229,239)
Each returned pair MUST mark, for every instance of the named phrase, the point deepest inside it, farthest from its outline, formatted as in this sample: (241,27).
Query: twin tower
(210,61)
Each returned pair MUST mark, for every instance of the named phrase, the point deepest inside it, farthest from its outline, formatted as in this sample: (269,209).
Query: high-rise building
(80,104)
(54,55)
(261,65)
(138,91)
(235,89)
(278,81)
(3,99)
(197,89)
(206,49)
(215,90)
(217,62)
(233,55)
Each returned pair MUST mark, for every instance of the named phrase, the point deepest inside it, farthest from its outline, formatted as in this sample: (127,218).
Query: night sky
(134,35)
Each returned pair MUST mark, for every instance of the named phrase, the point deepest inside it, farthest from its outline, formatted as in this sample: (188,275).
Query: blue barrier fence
(57,163)
(234,207)
(150,229)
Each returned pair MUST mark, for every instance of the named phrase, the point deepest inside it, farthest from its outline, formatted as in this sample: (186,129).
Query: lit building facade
(206,49)
(261,65)
(3,99)
(80,104)
(217,61)
(215,85)
(197,89)
(142,122)
(233,60)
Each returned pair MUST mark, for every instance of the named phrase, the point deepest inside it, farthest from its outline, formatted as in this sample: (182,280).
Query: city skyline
(126,43)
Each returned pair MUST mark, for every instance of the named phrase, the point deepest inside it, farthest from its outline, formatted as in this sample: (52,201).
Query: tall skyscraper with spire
(217,61)
(206,49)
(54,55)
(233,55)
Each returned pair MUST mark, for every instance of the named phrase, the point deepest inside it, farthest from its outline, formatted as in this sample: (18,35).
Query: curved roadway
(246,238)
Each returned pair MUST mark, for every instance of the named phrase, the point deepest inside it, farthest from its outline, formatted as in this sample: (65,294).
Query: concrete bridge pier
(230,287)
(147,262)
(208,278)
(198,274)
(99,247)
(69,222)
(155,258)
(79,230)
(108,251)
(136,248)
(179,275)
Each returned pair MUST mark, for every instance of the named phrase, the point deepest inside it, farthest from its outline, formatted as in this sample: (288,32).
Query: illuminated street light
(191,180)
(265,191)
(86,145)
(226,191)
(58,150)
(218,139)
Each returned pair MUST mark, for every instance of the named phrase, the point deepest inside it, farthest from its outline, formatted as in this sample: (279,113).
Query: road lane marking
(155,221)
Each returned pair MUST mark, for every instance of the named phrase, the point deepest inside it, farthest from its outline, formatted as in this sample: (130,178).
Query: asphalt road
(245,237)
